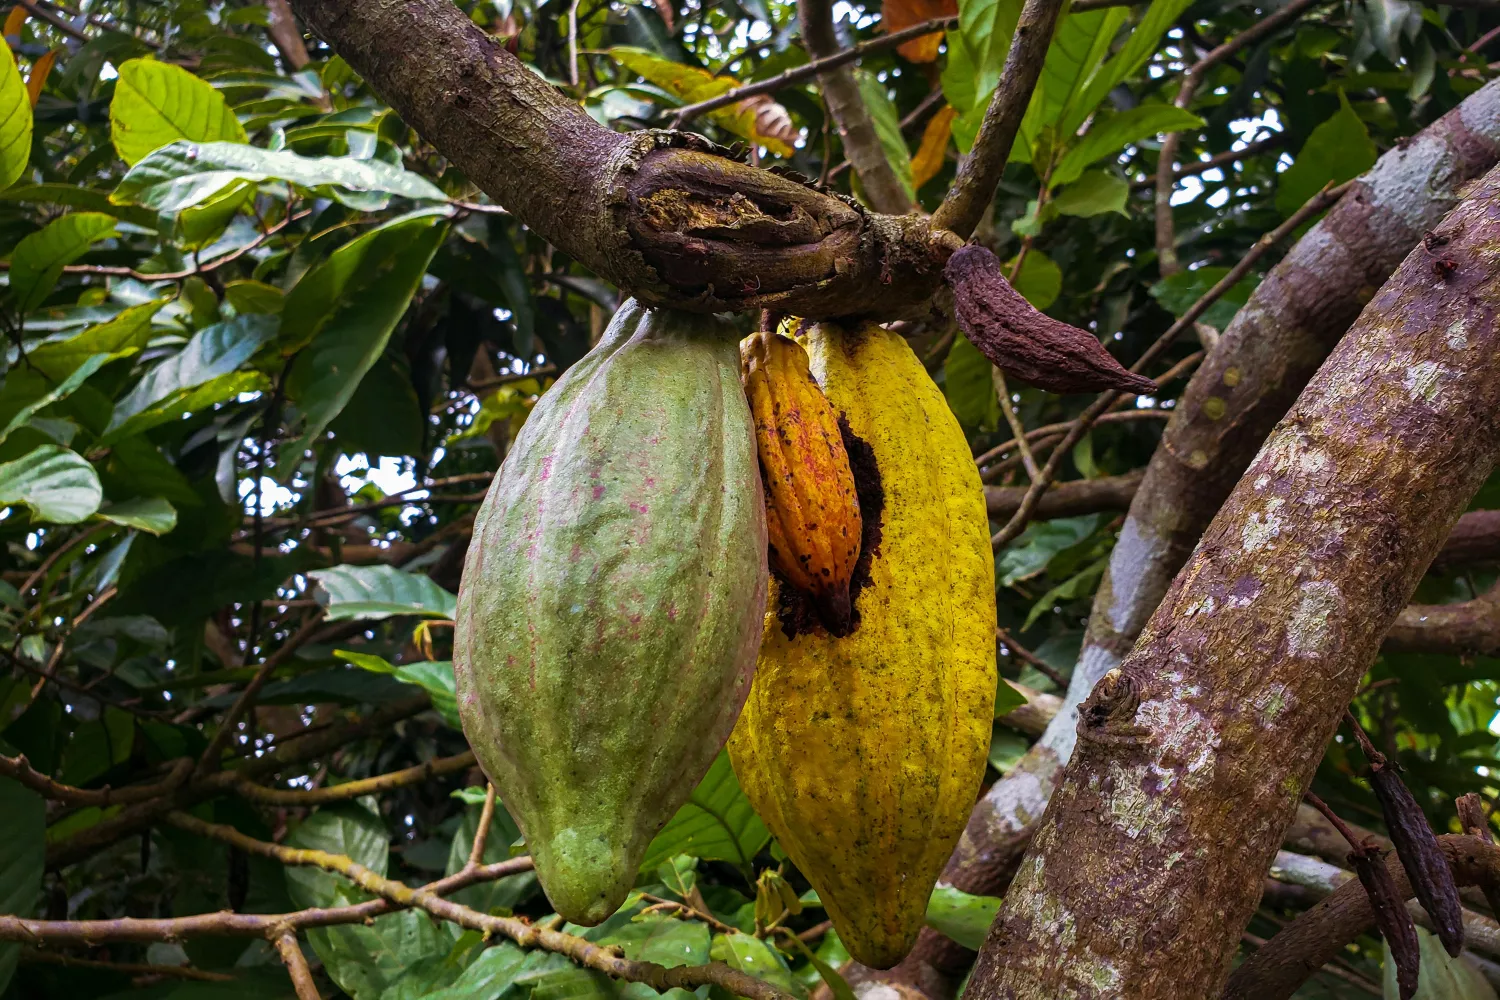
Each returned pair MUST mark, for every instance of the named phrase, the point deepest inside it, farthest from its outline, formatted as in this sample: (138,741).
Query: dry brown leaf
(38,76)
(899,14)
(934,147)
(14,20)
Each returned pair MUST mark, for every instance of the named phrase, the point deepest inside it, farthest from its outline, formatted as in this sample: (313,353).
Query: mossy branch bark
(1246,666)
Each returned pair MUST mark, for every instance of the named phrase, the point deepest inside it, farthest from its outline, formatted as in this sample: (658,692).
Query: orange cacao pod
(812,514)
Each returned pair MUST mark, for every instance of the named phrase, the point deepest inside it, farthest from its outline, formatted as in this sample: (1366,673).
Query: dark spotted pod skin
(1021,341)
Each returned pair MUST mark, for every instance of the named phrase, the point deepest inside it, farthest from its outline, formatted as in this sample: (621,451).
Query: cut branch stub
(1021,341)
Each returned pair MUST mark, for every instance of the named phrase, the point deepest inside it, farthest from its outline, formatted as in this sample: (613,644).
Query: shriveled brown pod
(1391,916)
(1417,847)
(1021,341)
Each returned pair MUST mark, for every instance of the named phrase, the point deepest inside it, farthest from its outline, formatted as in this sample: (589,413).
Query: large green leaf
(152,514)
(887,121)
(39,259)
(668,941)
(74,196)
(1338,150)
(1132,56)
(490,976)
(1181,291)
(1113,134)
(1095,193)
(214,351)
(509,892)
(15,127)
(57,485)
(382,591)
(1039,544)
(1075,56)
(60,391)
(126,332)
(433,676)
(986,27)
(361,296)
(717,823)
(754,957)
(961,916)
(184,174)
(156,103)
(23,832)
(194,399)
(969,384)
(1439,977)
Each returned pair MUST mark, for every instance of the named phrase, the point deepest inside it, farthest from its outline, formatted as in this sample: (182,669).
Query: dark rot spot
(801,613)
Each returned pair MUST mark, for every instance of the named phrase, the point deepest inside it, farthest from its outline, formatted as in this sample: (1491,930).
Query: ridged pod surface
(812,513)
(612,597)
(864,754)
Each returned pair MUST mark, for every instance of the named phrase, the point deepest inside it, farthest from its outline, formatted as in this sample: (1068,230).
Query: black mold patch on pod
(797,611)
(1021,341)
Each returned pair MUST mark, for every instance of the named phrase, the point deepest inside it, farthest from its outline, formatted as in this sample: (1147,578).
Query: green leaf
(433,676)
(92,364)
(667,941)
(887,121)
(986,27)
(15,144)
(716,824)
(691,84)
(1160,16)
(1075,56)
(754,957)
(350,304)
(57,485)
(1040,280)
(79,197)
(1039,544)
(39,259)
(249,296)
(1007,747)
(837,984)
(1439,977)
(382,591)
(1007,698)
(152,514)
(194,399)
(184,174)
(23,839)
(1080,584)
(214,351)
(1178,293)
(506,893)
(969,383)
(1110,136)
(490,976)
(1338,150)
(156,103)
(961,916)
(1095,193)
(126,333)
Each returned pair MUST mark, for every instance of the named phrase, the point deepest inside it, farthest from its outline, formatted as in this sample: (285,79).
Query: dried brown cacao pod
(1417,847)
(1021,341)
(1477,824)
(1391,917)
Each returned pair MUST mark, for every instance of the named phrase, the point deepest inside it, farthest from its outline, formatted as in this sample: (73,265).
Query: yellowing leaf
(897,15)
(156,103)
(934,147)
(758,119)
(39,71)
(15,121)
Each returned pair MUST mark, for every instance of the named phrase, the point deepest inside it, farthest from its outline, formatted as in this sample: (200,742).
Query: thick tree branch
(1166,161)
(846,106)
(1466,627)
(664,215)
(1234,688)
(979,174)
(1081,496)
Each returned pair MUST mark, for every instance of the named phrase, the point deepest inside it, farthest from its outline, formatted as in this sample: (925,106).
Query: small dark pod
(1417,847)
(1391,917)
(1028,344)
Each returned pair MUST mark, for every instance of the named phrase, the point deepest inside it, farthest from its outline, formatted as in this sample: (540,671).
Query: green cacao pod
(610,611)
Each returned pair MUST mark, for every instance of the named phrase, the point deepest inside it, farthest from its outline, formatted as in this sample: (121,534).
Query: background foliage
(264,348)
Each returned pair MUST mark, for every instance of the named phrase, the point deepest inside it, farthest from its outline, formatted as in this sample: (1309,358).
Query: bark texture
(665,215)
(1194,758)
(1264,357)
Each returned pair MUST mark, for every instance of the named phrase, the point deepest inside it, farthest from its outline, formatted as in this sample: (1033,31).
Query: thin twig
(528,935)
(1355,840)
(50,671)
(210,758)
(1022,653)
(482,830)
(979,174)
(813,68)
(296,965)
(1037,437)
(126,968)
(657,903)
(1314,205)
(37,10)
(20,769)
(1013,418)
(351,789)
(1166,162)
(1215,162)
(66,547)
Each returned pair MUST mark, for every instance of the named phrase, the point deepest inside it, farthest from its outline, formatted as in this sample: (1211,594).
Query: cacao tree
(392,606)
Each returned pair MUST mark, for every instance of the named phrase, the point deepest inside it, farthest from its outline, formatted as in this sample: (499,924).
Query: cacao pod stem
(1021,341)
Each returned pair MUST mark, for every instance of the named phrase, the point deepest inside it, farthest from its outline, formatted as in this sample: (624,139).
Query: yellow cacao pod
(812,514)
(864,753)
